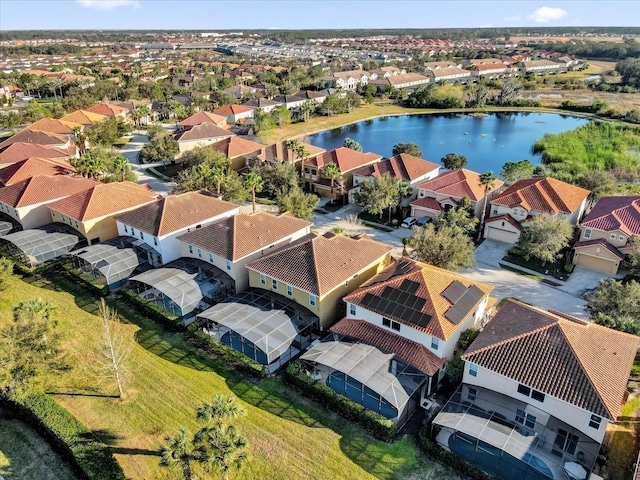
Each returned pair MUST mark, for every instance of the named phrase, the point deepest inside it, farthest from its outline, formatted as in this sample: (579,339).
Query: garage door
(502,235)
(596,263)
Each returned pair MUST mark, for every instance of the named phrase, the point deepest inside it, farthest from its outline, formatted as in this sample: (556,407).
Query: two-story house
(32,166)
(38,137)
(239,150)
(235,113)
(84,118)
(389,352)
(20,151)
(509,211)
(200,135)
(200,118)
(110,110)
(159,223)
(539,389)
(606,233)
(348,80)
(316,271)
(232,242)
(92,212)
(347,160)
(447,189)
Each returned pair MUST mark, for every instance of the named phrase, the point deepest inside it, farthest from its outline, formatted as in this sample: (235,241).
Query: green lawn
(24,454)
(289,436)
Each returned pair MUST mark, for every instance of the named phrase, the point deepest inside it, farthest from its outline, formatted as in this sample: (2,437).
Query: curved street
(131,152)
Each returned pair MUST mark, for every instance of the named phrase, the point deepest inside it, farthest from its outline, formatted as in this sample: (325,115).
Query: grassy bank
(289,436)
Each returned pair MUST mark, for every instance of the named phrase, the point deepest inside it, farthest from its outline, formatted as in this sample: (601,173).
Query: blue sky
(301,14)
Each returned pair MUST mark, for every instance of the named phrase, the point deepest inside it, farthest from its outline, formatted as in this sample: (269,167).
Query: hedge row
(453,461)
(228,355)
(92,458)
(379,426)
(92,285)
(151,310)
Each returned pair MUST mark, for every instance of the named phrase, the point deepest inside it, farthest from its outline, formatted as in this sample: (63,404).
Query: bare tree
(115,349)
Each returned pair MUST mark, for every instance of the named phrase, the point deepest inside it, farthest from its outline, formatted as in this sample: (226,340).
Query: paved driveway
(131,152)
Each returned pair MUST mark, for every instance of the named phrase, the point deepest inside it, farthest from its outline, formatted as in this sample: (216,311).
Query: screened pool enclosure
(35,246)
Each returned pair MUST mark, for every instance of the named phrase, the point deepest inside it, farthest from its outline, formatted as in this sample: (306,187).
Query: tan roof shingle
(41,189)
(459,183)
(544,194)
(34,166)
(346,159)
(19,151)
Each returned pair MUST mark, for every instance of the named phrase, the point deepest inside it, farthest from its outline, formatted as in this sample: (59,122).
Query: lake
(487,140)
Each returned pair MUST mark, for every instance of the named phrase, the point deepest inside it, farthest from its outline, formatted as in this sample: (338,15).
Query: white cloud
(547,14)
(105,5)
(513,18)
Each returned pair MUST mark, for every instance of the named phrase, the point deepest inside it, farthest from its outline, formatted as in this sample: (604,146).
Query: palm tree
(332,171)
(253,182)
(121,166)
(138,113)
(81,140)
(222,448)
(293,145)
(217,176)
(306,109)
(487,180)
(220,408)
(179,450)
(34,308)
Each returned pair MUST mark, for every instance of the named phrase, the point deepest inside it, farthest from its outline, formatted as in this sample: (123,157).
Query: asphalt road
(131,151)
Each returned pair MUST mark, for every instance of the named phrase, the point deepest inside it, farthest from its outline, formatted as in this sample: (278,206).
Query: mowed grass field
(289,437)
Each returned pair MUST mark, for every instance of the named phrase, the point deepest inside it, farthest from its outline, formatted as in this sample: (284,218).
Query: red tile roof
(35,137)
(346,159)
(543,194)
(105,199)
(203,131)
(431,283)
(108,109)
(176,212)
(34,166)
(313,264)
(408,350)
(235,146)
(427,202)
(280,152)
(232,110)
(459,183)
(203,117)
(84,117)
(582,363)
(601,242)
(236,237)
(52,125)
(42,189)
(19,151)
(615,213)
(403,166)
(506,218)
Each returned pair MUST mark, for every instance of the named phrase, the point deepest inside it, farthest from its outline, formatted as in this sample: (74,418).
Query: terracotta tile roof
(403,166)
(176,212)
(346,159)
(506,218)
(35,137)
(319,263)
(108,109)
(84,117)
(543,194)
(280,152)
(235,146)
(427,202)
(52,125)
(232,109)
(34,166)
(412,352)
(615,213)
(430,284)
(579,362)
(105,199)
(459,183)
(19,151)
(601,242)
(204,117)
(42,189)
(202,131)
(236,237)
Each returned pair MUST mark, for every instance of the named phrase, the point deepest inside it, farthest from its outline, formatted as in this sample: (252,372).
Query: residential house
(239,150)
(37,137)
(404,167)
(25,203)
(347,160)
(542,67)
(490,68)
(400,328)
(406,80)
(33,166)
(386,72)
(52,125)
(447,189)
(200,136)
(291,101)
(241,91)
(110,110)
(84,118)
(318,270)
(92,212)
(263,104)
(235,113)
(19,151)
(200,118)
(606,233)
(448,72)
(347,80)
(280,152)
(312,95)
(159,223)
(232,242)
(539,389)
(509,211)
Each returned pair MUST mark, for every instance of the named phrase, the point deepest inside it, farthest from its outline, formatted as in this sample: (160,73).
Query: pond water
(487,140)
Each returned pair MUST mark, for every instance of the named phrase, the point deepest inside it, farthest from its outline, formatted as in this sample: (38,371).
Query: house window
(395,326)
(312,300)
(587,233)
(594,422)
(141,235)
(64,219)
(53,214)
(274,284)
(538,396)
(263,279)
(155,241)
(524,390)
(435,343)
(76,222)
(526,419)
(229,265)
(199,253)
(191,249)
(473,369)
(494,211)
(352,309)
(290,290)
(621,238)
(472,393)
(133,231)
(386,322)
(530,392)
(126,229)
(211,258)
(613,236)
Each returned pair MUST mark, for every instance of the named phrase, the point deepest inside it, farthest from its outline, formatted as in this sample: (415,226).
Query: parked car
(409,222)
(422,221)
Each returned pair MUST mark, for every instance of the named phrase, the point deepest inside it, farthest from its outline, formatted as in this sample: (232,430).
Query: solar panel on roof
(387,293)
(455,291)
(409,286)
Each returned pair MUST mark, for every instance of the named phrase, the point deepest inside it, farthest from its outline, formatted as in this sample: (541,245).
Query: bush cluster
(92,458)
(168,320)
(379,426)
(92,285)
(226,354)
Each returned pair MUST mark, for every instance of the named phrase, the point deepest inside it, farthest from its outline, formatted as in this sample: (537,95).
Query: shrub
(379,426)
(77,276)
(168,320)
(92,458)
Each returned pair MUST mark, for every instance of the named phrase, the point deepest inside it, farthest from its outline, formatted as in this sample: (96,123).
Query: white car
(409,222)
